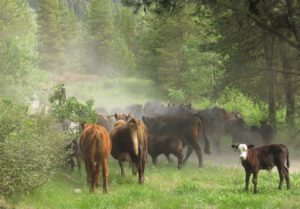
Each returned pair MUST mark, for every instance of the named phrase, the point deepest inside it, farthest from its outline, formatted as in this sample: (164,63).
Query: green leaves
(31,150)
(70,108)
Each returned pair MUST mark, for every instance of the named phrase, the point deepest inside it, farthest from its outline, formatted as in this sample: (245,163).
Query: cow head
(242,149)
(123,116)
(132,124)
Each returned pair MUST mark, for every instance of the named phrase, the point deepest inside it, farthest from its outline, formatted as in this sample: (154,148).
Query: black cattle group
(166,130)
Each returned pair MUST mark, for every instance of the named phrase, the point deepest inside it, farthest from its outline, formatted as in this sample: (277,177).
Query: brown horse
(95,147)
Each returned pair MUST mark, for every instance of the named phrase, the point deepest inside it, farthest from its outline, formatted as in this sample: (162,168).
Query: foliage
(105,51)
(57,30)
(18,54)
(70,108)
(30,150)
(176,96)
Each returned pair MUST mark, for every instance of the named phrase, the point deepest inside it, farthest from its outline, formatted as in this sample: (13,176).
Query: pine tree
(105,49)
(57,27)
(17,49)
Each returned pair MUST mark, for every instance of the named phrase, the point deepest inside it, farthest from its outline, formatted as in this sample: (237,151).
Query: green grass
(167,187)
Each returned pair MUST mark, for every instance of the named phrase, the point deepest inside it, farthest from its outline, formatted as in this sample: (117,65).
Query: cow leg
(179,156)
(133,167)
(154,159)
(168,158)
(197,149)
(88,174)
(78,164)
(188,154)
(247,179)
(91,168)
(281,176)
(138,162)
(254,180)
(105,175)
(144,158)
(97,172)
(287,178)
(122,168)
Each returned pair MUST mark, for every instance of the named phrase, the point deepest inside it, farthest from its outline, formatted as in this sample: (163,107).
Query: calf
(165,145)
(264,158)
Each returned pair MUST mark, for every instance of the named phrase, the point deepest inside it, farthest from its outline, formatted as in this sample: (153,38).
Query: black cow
(189,128)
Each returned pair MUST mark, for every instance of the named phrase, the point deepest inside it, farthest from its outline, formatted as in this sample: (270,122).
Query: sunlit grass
(167,187)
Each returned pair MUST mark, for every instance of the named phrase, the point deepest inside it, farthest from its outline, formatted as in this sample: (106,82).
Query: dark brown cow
(154,109)
(166,145)
(264,158)
(188,127)
(217,122)
(129,143)
(105,121)
(95,147)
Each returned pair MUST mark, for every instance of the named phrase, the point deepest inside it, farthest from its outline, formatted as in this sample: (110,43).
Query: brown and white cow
(264,158)
(95,147)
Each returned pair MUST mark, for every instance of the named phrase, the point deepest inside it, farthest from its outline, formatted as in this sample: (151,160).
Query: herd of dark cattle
(129,134)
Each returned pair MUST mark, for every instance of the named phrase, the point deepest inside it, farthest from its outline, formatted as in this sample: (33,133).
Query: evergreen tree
(57,27)
(17,49)
(105,50)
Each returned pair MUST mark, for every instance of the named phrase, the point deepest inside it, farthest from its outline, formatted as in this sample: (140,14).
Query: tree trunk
(289,89)
(270,78)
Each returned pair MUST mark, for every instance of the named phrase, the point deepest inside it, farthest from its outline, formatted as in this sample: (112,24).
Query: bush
(70,108)
(30,150)
(177,96)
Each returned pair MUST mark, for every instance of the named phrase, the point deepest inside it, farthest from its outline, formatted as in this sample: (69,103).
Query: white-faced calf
(264,158)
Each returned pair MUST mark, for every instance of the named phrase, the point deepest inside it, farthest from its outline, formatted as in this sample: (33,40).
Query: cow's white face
(243,149)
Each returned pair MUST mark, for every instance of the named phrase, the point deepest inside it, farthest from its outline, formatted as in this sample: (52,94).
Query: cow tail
(92,136)
(206,141)
(135,142)
(287,159)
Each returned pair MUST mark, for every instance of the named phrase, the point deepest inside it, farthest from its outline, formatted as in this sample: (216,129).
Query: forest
(238,55)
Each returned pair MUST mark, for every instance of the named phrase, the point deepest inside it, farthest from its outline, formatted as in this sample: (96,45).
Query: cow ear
(234,146)
(250,146)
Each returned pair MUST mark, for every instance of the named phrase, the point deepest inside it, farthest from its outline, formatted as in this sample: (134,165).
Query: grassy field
(213,186)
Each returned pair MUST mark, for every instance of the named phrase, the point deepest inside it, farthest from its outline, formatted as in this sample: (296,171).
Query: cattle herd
(129,134)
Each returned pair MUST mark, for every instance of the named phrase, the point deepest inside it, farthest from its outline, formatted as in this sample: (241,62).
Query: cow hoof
(208,152)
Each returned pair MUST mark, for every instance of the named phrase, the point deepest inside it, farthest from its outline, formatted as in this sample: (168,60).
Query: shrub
(70,108)
(30,150)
